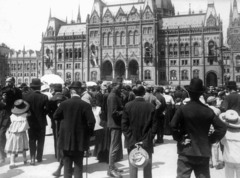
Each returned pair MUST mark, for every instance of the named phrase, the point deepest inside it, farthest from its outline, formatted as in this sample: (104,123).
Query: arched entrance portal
(107,71)
(120,69)
(211,79)
(133,71)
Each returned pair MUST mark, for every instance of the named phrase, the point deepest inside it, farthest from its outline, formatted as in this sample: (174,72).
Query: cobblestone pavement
(164,164)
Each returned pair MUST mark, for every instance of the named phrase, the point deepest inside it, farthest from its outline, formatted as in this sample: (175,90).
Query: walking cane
(87,164)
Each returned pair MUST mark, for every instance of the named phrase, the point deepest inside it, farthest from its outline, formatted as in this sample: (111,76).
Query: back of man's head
(139,90)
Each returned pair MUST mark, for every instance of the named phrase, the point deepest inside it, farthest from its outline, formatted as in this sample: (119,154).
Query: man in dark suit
(160,114)
(191,124)
(114,113)
(139,124)
(77,124)
(37,120)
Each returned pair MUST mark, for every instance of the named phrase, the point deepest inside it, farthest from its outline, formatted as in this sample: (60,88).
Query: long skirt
(17,143)
(168,117)
(102,145)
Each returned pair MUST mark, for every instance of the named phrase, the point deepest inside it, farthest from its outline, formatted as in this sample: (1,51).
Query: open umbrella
(51,79)
(90,84)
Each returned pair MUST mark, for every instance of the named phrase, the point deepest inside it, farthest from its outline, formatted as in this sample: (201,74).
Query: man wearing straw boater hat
(191,125)
(77,125)
(37,120)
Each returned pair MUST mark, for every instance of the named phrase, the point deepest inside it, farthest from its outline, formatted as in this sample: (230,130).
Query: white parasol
(90,84)
(51,79)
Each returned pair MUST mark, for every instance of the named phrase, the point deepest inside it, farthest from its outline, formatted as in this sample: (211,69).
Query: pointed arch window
(147,75)
(238,60)
(110,39)
(211,52)
(173,75)
(182,49)
(131,38)
(184,75)
(79,52)
(105,39)
(66,53)
(75,53)
(187,49)
(170,50)
(196,49)
(93,76)
(117,38)
(123,41)
(175,50)
(77,76)
(148,52)
(196,73)
(70,53)
(59,54)
(68,76)
(135,38)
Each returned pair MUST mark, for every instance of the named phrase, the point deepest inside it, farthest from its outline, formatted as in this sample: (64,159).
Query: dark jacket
(77,124)
(114,105)
(139,123)
(192,121)
(38,107)
(232,101)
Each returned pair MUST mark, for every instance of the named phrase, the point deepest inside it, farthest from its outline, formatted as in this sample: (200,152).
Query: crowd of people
(205,122)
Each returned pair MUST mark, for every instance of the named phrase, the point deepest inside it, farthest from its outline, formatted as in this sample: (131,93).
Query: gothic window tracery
(148,52)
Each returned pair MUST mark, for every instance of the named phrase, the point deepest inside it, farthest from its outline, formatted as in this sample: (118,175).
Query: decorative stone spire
(235,10)
(50,15)
(79,15)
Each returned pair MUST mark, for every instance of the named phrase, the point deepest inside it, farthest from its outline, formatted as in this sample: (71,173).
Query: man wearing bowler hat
(76,127)
(231,101)
(37,120)
(190,125)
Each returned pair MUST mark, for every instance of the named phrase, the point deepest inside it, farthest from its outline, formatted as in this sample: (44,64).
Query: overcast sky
(23,21)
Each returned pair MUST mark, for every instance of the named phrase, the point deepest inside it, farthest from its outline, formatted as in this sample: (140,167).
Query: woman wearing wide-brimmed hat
(17,141)
(231,143)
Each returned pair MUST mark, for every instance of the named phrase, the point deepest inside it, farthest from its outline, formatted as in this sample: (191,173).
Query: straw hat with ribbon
(230,118)
(20,107)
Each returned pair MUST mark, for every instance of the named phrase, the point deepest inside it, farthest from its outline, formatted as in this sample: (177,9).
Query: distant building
(24,65)
(4,50)
(233,37)
(136,40)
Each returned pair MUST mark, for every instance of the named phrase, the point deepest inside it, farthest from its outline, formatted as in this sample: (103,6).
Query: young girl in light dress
(17,141)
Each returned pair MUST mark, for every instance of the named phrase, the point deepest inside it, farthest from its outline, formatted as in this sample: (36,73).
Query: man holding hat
(37,120)
(76,127)
(191,124)
(139,124)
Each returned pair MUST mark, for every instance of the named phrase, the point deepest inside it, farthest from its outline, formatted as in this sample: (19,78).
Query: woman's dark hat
(232,85)
(35,83)
(20,107)
(75,84)
(196,86)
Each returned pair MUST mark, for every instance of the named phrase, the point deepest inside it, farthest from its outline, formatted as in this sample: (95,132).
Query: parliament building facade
(137,40)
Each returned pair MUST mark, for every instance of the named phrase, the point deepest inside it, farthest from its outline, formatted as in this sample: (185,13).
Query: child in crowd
(17,141)
(216,158)
(231,143)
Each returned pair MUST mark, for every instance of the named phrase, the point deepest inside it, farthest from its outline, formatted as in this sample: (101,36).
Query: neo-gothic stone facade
(233,35)
(137,40)
(24,65)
